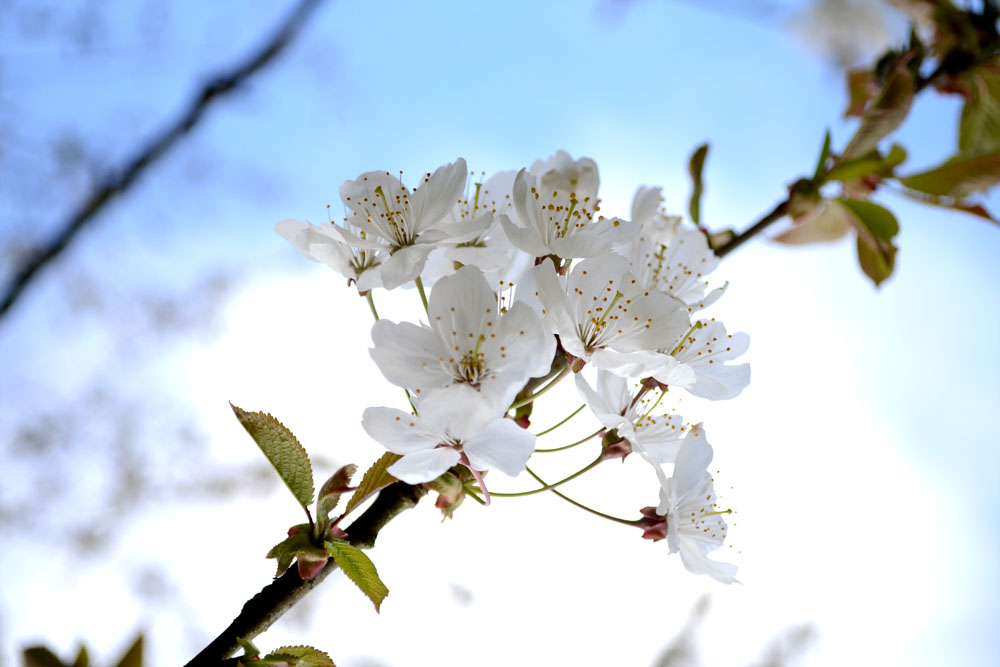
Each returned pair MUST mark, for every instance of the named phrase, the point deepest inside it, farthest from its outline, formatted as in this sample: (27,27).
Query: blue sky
(863,456)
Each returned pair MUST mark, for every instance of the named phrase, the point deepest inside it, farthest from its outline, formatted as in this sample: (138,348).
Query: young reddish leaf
(303,656)
(862,86)
(375,478)
(283,450)
(979,130)
(884,115)
(133,656)
(310,561)
(958,177)
(695,166)
(359,569)
(329,493)
(286,550)
(831,223)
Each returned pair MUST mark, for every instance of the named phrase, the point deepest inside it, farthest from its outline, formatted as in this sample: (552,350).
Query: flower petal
(424,466)
(398,431)
(502,445)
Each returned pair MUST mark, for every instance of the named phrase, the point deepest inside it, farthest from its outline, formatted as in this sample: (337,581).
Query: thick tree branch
(115,183)
(284,592)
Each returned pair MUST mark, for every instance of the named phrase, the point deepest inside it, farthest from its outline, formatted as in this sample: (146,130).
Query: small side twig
(284,592)
(732,244)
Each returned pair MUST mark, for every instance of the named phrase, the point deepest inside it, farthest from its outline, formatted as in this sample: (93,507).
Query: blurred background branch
(119,181)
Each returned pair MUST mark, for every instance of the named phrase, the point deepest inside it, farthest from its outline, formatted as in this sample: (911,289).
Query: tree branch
(116,183)
(777,213)
(283,593)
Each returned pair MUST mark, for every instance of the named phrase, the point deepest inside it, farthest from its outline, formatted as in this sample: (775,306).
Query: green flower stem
(609,517)
(420,288)
(552,428)
(548,487)
(572,444)
(371,304)
(528,399)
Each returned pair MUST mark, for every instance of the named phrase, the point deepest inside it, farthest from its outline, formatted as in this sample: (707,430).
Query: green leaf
(374,479)
(249,650)
(330,492)
(824,155)
(695,166)
(884,115)
(876,227)
(359,569)
(958,177)
(873,163)
(876,261)
(40,656)
(305,656)
(133,656)
(875,219)
(831,223)
(283,450)
(979,129)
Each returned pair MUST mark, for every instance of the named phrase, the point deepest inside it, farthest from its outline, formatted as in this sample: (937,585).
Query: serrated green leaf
(283,450)
(285,550)
(359,569)
(831,223)
(375,478)
(695,166)
(958,177)
(305,656)
(133,656)
(979,129)
(250,651)
(40,656)
(330,492)
(883,115)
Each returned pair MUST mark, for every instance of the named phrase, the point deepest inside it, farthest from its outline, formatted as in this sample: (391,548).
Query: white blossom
(321,243)
(603,317)
(556,207)
(406,225)
(669,258)
(705,350)
(687,500)
(456,424)
(470,340)
(655,436)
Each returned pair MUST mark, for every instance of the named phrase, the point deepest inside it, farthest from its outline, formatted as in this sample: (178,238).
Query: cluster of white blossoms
(529,284)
